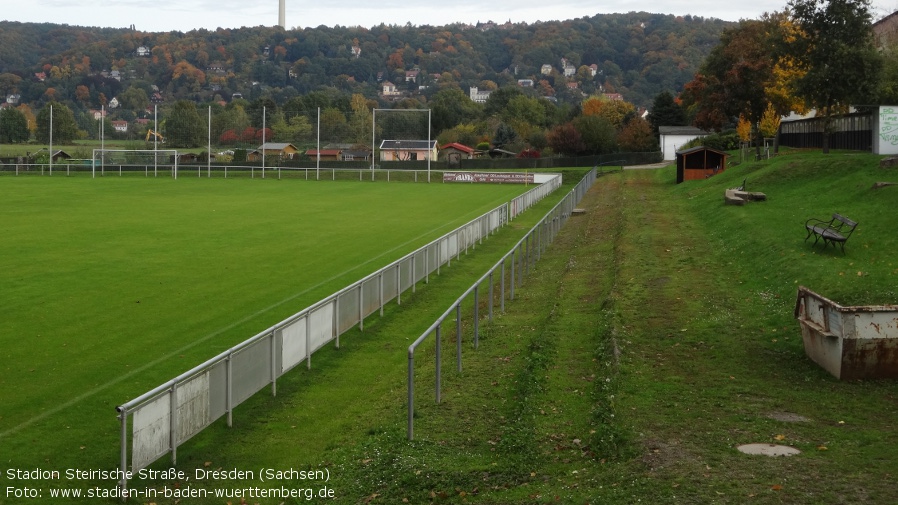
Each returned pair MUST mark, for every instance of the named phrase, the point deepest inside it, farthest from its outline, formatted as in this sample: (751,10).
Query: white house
(479,96)
(674,137)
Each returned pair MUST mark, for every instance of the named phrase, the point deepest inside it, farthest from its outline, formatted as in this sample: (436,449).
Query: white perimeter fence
(173,412)
(519,260)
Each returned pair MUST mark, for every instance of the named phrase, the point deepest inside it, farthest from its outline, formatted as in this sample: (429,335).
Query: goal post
(146,158)
(402,135)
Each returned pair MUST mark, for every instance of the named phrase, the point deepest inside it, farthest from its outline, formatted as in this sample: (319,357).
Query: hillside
(637,55)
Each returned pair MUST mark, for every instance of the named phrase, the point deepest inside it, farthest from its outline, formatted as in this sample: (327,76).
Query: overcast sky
(186,15)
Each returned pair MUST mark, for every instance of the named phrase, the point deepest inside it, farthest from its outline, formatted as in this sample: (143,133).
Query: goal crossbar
(135,157)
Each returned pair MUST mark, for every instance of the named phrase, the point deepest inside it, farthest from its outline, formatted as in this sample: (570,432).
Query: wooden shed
(699,163)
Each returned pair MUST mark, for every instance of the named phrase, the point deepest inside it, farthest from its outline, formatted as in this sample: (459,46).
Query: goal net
(135,160)
(403,135)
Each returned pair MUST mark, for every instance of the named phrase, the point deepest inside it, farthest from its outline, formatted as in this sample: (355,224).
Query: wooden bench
(835,231)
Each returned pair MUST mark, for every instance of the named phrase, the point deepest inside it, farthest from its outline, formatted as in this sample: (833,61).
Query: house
(143,51)
(120,126)
(699,163)
(408,150)
(98,114)
(389,89)
(546,69)
(674,137)
(58,155)
(525,83)
(453,152)
(478,96)
(13,99)
(324,154)
(356,51)
(593,70)
(412,75)
(355,155)
(282,150)
(113,104)
(568,69)
(41,76)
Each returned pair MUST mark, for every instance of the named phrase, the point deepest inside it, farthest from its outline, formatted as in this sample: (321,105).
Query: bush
(723,141)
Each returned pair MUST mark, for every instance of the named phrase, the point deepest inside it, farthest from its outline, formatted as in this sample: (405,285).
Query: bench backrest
(843,224)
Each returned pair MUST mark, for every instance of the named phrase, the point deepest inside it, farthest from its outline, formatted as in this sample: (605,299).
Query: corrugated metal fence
(170,414)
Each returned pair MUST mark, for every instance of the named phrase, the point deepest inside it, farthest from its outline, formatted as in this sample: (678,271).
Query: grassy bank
(654,338)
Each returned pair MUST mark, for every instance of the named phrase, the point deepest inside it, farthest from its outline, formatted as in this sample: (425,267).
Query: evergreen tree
(666,112)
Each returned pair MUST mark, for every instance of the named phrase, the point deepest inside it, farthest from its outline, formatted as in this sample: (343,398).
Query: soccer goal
(134,160)
(402,135)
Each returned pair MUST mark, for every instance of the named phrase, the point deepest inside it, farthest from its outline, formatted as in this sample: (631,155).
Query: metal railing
(519,259)
(173,412)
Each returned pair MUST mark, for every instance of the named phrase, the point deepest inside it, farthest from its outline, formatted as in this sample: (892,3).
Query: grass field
(111,286)
(653,337)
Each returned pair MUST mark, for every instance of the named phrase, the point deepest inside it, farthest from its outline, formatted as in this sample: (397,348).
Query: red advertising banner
(499,177)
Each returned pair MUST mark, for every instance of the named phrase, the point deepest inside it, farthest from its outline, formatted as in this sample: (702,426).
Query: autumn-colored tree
(734,76)
(82,93)
(636,136)
(592,106)
(743,128)
(29,117)
(229,137)
(770,122)
(565,139)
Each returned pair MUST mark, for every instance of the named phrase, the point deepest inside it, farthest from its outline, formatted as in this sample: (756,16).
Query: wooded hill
(637,55)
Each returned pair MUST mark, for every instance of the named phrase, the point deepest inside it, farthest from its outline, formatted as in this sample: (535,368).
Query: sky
(186,15)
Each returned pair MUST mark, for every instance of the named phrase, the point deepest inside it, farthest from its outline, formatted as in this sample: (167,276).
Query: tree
(743,129)
(13,126)
(836,47)
(184,127)
(505,135)
(770,122)
(65,129)
(597,133)
(452,107)
(734,76)
(134,98)
(565,139)
(666,112)
(636,137)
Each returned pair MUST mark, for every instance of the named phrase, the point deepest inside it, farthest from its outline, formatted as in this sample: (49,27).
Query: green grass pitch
(111,286)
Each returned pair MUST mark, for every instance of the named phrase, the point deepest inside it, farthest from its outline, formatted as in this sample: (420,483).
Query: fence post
(458,334)
(173,423)
(411,394)
(438,365)
(476,317)
(308,340)
(502,290)
(274,353)
(229,390)
(123,462)
(491,296)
